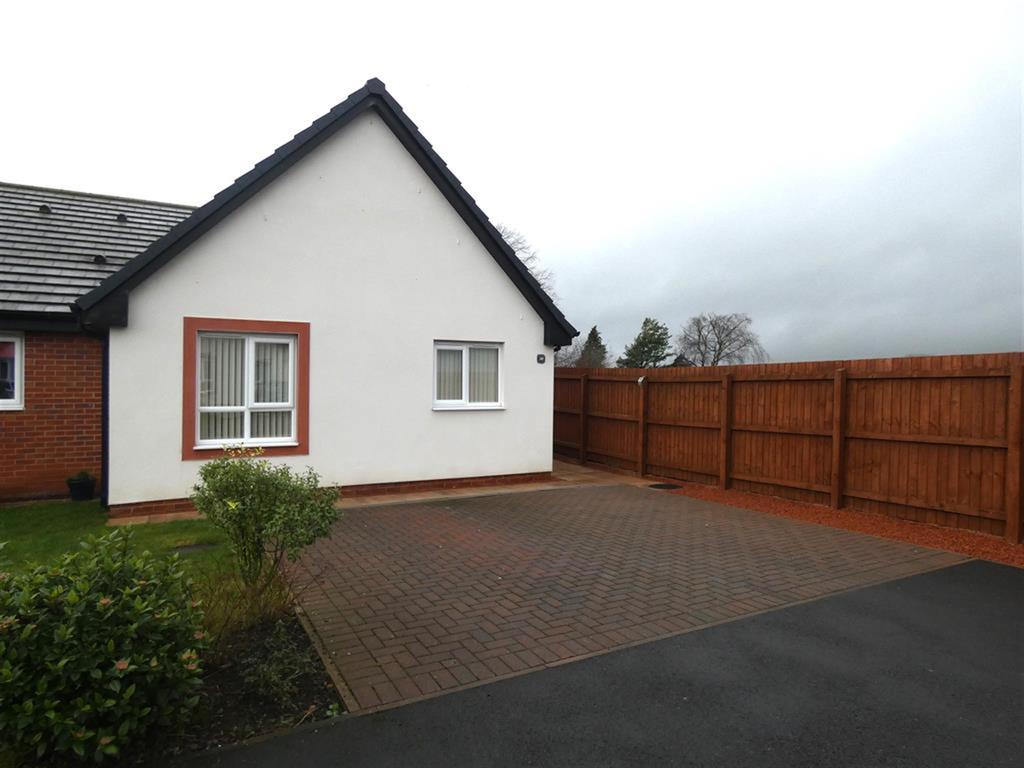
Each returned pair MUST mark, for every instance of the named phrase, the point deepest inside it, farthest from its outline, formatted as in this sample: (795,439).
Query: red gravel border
(971,543)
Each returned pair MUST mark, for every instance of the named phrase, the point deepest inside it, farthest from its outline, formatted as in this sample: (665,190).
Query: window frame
(464,403)
(17,403)
(250,406)
(296,334)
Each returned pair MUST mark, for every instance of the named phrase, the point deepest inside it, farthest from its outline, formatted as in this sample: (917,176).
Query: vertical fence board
(838,439)
(725,439)
(584,406)
(1013,455)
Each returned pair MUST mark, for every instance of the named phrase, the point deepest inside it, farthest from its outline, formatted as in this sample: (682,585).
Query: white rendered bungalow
(344,305)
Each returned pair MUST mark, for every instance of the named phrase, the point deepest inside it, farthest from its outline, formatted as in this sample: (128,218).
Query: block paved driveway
(411,600)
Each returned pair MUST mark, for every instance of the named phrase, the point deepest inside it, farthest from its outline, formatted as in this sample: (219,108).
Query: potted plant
(82,486)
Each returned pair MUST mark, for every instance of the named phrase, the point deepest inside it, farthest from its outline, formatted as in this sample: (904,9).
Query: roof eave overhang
(14,320)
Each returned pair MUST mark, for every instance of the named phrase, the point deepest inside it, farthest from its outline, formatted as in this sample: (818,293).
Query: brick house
(345,305)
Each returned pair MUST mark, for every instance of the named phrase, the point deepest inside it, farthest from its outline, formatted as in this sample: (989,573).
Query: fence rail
(932,439)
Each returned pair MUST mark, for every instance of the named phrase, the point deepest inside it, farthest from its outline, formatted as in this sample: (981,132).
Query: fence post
(641,429)
(1015,407)
(583,418)
(838,437)
(725,437)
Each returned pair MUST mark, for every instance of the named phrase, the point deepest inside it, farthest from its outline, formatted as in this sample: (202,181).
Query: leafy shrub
(268,511)
(96,651)
(274,668)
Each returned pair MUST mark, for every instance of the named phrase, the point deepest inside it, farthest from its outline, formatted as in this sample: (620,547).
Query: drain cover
(184,549)
(665,486)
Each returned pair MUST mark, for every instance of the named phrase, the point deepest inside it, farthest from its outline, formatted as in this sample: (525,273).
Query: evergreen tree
(594,353)
(650,348)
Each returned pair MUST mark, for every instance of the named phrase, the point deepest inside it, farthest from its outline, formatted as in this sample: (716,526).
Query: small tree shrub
(96,651)
(268,511)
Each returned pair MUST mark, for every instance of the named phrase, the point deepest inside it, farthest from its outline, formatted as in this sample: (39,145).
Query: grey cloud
(919,253)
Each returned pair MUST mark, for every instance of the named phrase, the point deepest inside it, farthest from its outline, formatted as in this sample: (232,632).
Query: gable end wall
(357,241)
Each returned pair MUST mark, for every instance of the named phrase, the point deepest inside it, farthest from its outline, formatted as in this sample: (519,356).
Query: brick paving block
(463,675)
(407,688)
(425,683)
(444,678)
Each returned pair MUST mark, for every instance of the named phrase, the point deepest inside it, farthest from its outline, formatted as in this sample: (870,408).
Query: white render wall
(356,240)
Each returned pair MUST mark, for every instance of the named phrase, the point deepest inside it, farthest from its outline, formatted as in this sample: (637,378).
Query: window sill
(12,407)
(242,446)
(469,408)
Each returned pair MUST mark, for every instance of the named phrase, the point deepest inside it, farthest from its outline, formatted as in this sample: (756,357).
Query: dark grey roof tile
(47,260)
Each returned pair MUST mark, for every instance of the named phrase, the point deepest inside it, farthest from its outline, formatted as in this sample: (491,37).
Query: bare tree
(710,339)
(569,357)
(528,255)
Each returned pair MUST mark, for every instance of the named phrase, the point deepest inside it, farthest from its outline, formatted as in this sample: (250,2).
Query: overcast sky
(850,177)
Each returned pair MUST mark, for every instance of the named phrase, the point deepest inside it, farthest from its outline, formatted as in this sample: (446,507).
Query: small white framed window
(245,390)
(468,375)
(12,371)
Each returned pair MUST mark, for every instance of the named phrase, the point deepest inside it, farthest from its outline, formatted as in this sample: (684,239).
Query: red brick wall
(59,432)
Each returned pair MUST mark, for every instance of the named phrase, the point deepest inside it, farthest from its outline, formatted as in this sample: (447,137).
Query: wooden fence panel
(683,429)
(682,453)
(612,421)
(932,439)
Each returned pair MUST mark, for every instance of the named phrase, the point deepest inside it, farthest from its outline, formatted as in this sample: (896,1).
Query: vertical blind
(226,373)
(483,375)
(273,372)
(222,385)
(449,374)
(222,365)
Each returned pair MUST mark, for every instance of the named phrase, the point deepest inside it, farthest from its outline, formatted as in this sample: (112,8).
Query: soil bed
(979,545)
(233,709)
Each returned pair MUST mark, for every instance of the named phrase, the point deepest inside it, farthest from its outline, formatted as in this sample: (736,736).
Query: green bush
(96,651)
(268,511)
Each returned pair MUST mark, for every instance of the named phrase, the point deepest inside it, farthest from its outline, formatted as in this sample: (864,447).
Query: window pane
(271,424)
(273,370)
(221,425)
(449,374)
(483,375)
(8,361)
(221,371)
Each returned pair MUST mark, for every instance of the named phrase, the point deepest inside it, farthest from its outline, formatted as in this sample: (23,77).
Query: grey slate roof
(47,260)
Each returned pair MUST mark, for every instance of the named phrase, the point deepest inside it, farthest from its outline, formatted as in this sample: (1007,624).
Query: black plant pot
(82,489)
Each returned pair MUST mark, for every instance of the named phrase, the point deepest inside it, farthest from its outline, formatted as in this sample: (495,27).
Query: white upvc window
(245,390)
(468,375)
(12,371)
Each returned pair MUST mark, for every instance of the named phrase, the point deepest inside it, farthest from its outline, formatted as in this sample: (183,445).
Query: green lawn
(39,532)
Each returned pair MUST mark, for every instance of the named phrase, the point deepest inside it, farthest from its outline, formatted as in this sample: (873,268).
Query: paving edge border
(347,697)
(353,709)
